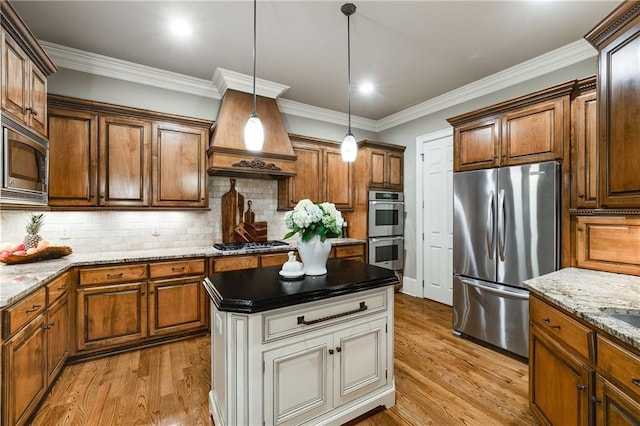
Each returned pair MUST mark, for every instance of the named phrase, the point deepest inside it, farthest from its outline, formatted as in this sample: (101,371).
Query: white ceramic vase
(314,254)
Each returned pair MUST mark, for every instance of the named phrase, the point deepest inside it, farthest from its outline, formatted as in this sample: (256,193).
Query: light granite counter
(592,296)
(16,281)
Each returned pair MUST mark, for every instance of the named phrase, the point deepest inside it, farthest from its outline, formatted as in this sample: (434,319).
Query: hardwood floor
(440,380)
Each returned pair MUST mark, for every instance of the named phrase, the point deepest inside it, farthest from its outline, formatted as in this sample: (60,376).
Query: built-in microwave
(25,162)
(387,252)
(386,213)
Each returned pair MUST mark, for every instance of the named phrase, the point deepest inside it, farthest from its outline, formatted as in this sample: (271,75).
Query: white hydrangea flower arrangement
(309,219)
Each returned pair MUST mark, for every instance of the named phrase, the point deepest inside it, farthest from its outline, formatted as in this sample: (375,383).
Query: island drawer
(113,274)
(302,318)
(175,269)
(58,287)
(24,311)
(619,363)
(562,327)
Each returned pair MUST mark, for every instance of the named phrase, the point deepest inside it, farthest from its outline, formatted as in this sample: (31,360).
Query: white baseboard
(410,286)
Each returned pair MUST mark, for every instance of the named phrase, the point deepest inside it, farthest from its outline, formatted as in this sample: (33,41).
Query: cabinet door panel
(111,315)
(57,337)
(286,402)
(73,156)
(396,172)
(176,305)
(15,83)
(619,127)
(558,390)
(376,173)
(125,146)
(477,145)
(534,133)
(613,407)
(338,181)
(362,353)
(308,180)
(179,176)
(38,99)
(26,360)
(585,142)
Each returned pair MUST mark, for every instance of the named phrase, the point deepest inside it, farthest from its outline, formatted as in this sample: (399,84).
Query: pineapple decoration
(33,227)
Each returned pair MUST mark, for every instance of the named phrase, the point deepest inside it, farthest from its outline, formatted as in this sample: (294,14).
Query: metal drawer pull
(548,322)
(62,287)
(636,382)
(33,308)
(177,269)
(115,275)
(363,307)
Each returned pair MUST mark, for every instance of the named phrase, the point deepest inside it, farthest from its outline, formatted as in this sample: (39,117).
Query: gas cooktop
(249,246)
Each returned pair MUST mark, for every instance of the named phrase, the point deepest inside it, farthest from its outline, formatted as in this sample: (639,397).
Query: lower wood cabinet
(177,305)
(613,407)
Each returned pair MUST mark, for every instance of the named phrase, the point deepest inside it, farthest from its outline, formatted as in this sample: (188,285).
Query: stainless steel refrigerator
(505,230)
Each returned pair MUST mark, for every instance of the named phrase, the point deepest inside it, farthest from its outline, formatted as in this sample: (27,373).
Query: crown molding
(222,80)
(298,109)
(551,61)
(225,79)
(92,63)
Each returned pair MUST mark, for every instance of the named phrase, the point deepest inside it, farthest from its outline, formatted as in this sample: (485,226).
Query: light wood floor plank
(441,379)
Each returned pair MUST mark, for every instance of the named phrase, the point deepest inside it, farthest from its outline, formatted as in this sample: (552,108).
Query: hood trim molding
(225,79)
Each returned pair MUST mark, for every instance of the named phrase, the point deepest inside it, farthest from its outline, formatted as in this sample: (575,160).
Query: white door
(437,217)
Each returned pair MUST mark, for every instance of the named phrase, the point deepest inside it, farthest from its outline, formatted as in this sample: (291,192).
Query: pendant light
(349,148)
(253,130)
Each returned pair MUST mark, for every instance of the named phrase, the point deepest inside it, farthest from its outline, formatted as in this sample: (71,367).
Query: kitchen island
(314,351)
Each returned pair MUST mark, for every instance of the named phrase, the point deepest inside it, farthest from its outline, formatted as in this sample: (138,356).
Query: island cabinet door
(298,381)
(360,361)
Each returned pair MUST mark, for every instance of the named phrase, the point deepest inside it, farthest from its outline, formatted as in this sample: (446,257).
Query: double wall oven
(386,229)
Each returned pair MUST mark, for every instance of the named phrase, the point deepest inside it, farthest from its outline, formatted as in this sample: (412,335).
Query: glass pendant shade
(349,148)
(253,133)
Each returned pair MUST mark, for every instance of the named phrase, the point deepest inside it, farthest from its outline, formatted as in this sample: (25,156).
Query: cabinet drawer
(620,364)
(173,269)
(286,322)
(234,263)
(57,288)
(273,259)
(350,251)
(24,311)
(113,274)
(562,327)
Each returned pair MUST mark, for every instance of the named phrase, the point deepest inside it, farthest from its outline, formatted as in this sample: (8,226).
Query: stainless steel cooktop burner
(249,246)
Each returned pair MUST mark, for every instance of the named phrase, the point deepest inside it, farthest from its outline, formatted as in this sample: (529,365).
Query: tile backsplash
(97,231)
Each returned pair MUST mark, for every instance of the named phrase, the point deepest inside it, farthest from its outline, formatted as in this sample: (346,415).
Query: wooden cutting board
(232,211)
(249,216)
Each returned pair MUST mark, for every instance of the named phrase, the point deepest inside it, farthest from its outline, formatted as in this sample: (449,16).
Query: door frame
(417,288)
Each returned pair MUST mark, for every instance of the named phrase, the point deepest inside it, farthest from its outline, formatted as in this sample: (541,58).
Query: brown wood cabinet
(104,155)
(35,349)
(321,176)
(584,190)
(617,39)
(609,244)
(529,129)
(25,67)
(579,374)
(385,166)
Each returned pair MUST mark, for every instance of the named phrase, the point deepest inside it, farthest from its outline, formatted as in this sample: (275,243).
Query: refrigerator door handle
(490,224)
(501,225)
(511,294)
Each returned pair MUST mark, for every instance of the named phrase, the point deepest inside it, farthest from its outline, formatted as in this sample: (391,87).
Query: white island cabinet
(314,362)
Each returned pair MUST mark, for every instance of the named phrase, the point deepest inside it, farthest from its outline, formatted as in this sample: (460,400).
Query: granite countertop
(16,281)
(264,290)
(594,296)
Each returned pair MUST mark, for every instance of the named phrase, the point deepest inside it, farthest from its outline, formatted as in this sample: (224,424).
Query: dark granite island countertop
(262,289)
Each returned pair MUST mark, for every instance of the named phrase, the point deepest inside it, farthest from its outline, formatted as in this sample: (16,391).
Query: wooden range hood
(227,154)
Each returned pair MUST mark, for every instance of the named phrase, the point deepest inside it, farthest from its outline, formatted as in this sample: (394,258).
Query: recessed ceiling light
(366,88)
(180,27)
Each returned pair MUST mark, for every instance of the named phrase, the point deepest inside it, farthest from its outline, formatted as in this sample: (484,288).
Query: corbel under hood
(227,153)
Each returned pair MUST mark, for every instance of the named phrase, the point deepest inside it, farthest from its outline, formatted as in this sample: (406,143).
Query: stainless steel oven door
(386,218)
(387,252)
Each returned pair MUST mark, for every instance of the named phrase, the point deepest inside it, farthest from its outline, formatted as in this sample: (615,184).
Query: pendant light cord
(349,67)
(254,56)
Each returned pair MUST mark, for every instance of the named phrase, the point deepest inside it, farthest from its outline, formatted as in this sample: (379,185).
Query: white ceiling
(413,51)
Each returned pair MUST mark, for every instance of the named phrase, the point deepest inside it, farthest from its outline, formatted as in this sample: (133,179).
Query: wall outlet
(155,230)
(65,233)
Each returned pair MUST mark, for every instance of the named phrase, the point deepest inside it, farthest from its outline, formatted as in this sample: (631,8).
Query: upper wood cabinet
(617,39)
(111,156)
(385,166)
(24,67)
(529,129)
(584,191)
(321,176)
